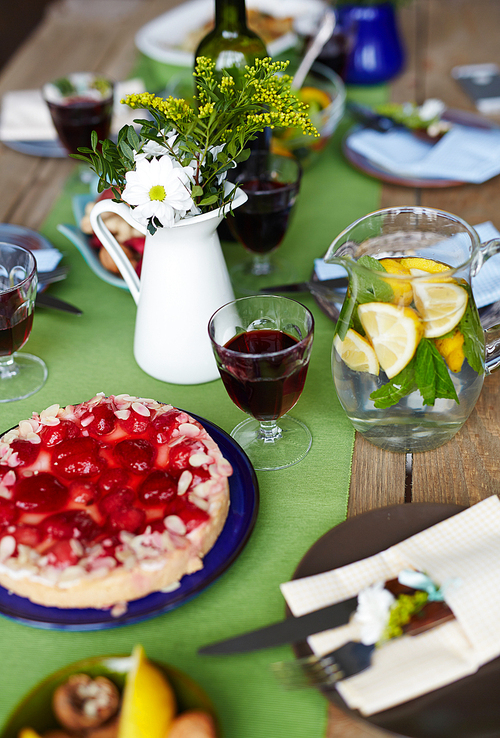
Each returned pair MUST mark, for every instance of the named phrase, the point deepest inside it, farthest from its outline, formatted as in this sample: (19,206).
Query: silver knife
(323,285)
(291,630)
(45,300)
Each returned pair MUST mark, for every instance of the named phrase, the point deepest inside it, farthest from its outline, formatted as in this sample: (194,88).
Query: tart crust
(148,560)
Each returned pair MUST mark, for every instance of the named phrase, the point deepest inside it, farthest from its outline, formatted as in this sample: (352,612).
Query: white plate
(160,39)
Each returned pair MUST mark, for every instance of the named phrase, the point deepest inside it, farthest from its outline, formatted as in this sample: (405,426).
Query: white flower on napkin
(372,614)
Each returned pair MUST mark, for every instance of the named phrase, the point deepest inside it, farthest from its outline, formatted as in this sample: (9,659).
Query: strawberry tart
(107,501)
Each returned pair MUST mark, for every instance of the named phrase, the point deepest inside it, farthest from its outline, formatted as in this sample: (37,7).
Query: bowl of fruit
(324,92)
(111,696)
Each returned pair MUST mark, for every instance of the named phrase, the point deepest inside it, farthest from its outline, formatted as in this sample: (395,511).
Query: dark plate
(468,708)
(48,149)
(365,165)
(244,492)
(35,708)
(31,240)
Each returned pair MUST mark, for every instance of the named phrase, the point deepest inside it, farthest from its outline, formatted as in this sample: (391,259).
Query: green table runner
(93,353)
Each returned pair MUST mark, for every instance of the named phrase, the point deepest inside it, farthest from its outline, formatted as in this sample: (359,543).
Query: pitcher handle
(111,244)
(492,334)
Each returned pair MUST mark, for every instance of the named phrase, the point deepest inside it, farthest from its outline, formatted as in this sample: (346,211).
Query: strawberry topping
(103,421)
(77,457)
(52,435)
(158,488)
(27,452)
(136,455)
(69,524)
(40,493)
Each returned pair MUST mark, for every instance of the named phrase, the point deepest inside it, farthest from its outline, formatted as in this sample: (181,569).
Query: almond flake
(122,414)
(7,547)
(9,479)
(141,409)
(5,493)
(174,524)
(87,420)
(199,502)
(184,481)
(189,429)
(200,458)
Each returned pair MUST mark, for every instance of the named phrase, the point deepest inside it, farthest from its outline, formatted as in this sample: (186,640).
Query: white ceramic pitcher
(184,280)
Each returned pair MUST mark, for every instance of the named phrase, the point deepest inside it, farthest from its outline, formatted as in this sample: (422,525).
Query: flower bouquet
(174,167)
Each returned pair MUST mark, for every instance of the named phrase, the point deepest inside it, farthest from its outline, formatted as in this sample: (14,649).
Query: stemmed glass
(21,375)
(262,346)
(272,184)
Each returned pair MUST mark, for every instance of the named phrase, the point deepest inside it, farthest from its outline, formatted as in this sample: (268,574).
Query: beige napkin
(466,547)
(24,115)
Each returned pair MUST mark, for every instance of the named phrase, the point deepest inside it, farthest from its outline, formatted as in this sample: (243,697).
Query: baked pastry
(107,501)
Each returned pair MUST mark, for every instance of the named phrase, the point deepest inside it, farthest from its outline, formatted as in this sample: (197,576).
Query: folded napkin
(463,552)
(46,260)
(464,153)
(485,285)
(24,115)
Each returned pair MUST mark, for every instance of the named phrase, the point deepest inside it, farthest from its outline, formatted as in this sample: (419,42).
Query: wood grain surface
(439,34)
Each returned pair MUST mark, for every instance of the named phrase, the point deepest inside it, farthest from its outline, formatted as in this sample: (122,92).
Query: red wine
(265,386)
(15,336)
(78,117)
(261,222)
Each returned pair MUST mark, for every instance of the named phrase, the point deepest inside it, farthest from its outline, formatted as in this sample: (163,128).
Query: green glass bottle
(231,44)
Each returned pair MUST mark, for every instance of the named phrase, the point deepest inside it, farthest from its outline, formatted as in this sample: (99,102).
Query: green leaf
(432,375)
(197,191)
(94,140)
(367,287)
(345,317)
(472,331)
(209,200)
(398,387)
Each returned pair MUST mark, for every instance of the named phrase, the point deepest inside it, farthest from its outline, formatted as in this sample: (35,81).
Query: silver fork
(324,671)
(55,275)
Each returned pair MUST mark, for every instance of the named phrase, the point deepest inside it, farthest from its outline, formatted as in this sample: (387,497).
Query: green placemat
(94,353)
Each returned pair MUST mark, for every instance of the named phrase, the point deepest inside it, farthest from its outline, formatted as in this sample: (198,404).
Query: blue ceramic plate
(31,240)
(240,522)
(49,149)
(82,243)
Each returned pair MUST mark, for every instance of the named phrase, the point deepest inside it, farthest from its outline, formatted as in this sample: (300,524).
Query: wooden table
(439,34)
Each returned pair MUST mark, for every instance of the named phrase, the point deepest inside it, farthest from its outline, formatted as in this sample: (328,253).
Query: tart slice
(107,501)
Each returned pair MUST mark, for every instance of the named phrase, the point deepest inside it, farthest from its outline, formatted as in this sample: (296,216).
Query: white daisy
(372,614)
(151,148)
(160,188)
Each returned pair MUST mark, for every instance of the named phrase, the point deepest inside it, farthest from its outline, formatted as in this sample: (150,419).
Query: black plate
(468,708)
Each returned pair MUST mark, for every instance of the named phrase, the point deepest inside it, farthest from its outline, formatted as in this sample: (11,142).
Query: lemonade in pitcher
(408,355)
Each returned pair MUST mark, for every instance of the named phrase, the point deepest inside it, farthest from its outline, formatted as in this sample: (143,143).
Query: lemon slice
(451,349)
(357,353)
(28,733)
(403,293)
(149,706)
(394,333)
(425,265)
(441,306)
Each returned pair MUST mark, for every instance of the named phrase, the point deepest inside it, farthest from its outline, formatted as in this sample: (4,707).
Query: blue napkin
(464,153)
(485,285)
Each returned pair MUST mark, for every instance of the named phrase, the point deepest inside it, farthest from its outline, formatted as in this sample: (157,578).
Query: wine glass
(21,375)
(272,184)
(262,346)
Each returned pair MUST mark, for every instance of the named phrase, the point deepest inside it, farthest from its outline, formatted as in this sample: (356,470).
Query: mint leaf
(369,288)
(398,387)
(472,331)
(346,313)
(431,374)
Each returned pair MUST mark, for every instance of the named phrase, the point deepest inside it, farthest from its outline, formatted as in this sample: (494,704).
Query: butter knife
(291,630)
(45,300)
(322,285)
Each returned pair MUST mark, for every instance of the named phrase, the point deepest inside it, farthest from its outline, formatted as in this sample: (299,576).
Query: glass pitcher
(408,355)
